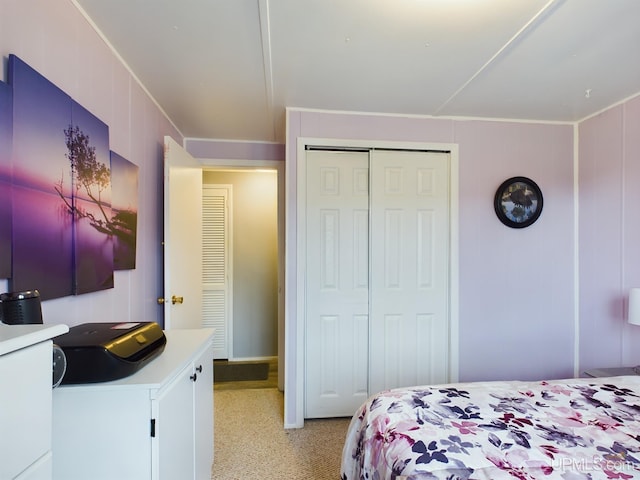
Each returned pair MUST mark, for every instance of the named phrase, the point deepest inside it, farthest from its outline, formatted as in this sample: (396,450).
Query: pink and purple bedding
(570,429)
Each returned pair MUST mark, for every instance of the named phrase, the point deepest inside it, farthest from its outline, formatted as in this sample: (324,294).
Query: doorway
(254,328)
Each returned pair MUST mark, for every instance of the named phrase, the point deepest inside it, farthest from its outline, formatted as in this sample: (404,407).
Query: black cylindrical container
(18,308)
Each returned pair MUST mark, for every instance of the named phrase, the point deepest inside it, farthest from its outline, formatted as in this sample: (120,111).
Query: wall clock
(518,202)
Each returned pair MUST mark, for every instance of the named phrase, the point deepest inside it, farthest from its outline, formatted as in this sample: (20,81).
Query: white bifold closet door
(409,293)
(337,282)
(377,279)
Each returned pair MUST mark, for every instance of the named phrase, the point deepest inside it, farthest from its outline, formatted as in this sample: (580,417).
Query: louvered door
(216,266)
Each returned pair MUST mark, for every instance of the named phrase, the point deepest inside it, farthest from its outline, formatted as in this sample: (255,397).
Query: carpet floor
(250,441)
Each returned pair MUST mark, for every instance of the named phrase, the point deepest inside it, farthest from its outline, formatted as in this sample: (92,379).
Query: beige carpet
(250,441)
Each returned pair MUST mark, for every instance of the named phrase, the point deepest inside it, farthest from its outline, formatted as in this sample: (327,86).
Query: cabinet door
(25,412)
(203,418)
(101,429)
(174,429)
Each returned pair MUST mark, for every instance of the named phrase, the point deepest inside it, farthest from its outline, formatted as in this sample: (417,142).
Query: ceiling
(227,69)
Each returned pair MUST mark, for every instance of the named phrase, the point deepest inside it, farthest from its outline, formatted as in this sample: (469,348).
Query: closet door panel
(409,269)
(404,344)
(393,241)
(337,283)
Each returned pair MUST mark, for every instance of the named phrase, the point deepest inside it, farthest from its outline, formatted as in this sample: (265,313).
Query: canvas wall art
(87,141)
(68,235)
(42,240)
(124,190)
(6,135)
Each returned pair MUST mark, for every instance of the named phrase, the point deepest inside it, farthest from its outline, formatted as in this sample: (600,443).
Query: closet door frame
(295,320)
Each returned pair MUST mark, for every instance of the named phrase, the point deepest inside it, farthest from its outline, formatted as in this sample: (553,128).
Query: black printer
(101,352)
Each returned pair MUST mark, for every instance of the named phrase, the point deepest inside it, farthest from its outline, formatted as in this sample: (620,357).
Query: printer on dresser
(156,424)
(25,400)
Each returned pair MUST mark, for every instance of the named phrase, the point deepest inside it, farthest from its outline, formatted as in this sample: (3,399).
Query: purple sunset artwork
(6,136)
(87,140)
(124,190)
(42,240)
(62,239)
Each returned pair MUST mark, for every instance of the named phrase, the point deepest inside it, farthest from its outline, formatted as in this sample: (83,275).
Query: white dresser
(156,424)
(25,400)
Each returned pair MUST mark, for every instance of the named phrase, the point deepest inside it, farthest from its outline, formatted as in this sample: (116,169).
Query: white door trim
(295,265)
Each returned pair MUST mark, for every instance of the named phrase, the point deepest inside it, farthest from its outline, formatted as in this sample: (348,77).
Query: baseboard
(253,359)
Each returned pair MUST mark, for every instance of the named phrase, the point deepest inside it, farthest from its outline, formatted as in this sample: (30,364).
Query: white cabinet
(25,400)
(203,420)
(156,424)
(184,423)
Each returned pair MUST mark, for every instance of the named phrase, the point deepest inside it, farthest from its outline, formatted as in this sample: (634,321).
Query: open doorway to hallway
(255,256)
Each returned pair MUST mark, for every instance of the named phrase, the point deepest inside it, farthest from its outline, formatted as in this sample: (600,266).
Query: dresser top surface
(181,348)
(15,337)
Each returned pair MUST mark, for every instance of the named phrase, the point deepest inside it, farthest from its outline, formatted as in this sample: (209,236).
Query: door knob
(161,301)
(175,299)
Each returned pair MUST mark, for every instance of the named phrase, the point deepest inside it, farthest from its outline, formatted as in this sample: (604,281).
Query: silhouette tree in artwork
(92,178)
(87,175)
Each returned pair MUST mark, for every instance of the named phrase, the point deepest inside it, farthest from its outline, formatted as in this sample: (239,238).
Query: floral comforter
(570,429)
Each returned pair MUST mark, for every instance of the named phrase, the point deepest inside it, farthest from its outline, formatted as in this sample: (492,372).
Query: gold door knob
(161,301)
(175,300)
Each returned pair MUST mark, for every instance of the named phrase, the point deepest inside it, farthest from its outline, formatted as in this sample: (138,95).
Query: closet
(377,254)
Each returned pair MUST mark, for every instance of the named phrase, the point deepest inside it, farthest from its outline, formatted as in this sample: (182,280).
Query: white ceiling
(226,69)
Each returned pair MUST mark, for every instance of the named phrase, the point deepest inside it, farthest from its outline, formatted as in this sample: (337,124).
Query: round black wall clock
(518,202)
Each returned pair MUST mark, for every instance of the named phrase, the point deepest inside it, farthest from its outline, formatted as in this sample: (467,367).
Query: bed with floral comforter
(569,429)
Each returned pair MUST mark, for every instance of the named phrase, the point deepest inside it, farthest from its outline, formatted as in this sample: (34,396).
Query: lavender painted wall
(55,39)
(233,150)
(609,173)
(516,316)
(631,223)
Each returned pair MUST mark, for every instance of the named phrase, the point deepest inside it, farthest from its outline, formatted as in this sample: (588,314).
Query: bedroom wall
(516,285)
(609,249)
(54,38)
(516,290)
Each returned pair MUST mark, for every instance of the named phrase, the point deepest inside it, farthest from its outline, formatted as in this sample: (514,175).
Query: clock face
(518,202)
(59,365)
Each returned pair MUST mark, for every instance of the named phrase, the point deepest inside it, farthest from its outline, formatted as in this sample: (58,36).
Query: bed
(570,429)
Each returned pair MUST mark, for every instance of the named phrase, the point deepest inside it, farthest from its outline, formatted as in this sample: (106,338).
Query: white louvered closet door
(216,266)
